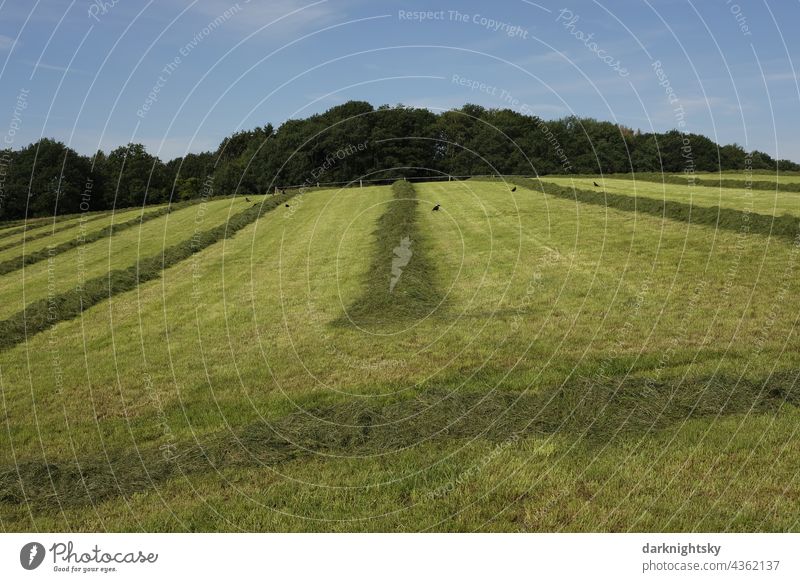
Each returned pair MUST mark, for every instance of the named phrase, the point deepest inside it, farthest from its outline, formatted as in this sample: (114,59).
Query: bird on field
(246,199)
(436,208)
(514,189)
(286,205)
(596,185)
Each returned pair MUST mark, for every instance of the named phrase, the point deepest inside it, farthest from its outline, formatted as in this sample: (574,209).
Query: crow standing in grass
(514,189)
(286,205)
(436,208)
(596,185)
(246,199)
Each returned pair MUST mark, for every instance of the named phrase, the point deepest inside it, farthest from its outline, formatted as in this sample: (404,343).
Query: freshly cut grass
(785,226)
(767,202)
(586,410)
(19,226)
(401,284)
(686,479)
(38,230)
(756,181)
(757,175)
(108,249)
(56,307)
(31,249)
(658,336)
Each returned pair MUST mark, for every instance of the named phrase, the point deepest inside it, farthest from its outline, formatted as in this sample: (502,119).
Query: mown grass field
(53,234)
(63,271)
(752,200)
(555,366)
(781,178)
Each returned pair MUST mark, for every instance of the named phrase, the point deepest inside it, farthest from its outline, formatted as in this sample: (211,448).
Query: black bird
(436,208)
(514,189)
(596,185)
(286,205)
(246,199)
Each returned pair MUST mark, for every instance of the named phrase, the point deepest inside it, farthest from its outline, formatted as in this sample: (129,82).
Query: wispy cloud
(5,42)
(58,68)
(294,15)
(790,76)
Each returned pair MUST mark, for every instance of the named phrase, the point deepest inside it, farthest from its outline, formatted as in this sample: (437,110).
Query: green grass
(400,285)
(591,369)
(760,201)
(32,247)
(67,270)
(43,229)
(757,175)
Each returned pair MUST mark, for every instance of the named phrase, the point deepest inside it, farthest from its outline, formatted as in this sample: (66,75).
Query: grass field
(69,269)
(782,178)
(569,368)
(42,237)
(760,201)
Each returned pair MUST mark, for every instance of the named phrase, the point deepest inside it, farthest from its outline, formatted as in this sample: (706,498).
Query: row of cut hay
(17,263)
(785,226)
(596,411)
(45,313)
(751,183)
(415,293)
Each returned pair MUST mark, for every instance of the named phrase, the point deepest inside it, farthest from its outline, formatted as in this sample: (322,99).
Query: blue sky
(89,71)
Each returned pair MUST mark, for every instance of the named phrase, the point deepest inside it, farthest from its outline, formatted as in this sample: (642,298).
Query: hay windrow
(39,315)
(73,223)
(785,226)
(29,259)
(596,412)
(400,284)
(717,182)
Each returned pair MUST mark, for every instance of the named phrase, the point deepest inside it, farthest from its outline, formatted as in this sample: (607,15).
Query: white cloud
(292,15)
(5,42)
(58,68)
(790,76)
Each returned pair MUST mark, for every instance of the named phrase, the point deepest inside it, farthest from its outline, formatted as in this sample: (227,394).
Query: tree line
(350,142)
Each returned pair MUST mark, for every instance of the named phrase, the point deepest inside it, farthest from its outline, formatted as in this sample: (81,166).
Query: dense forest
(350,142)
